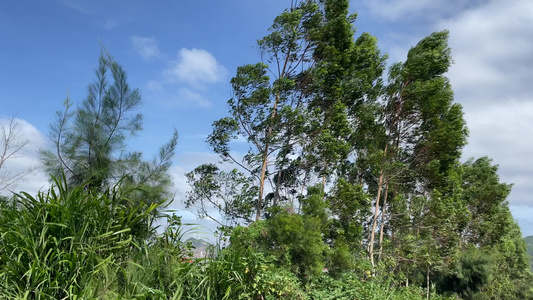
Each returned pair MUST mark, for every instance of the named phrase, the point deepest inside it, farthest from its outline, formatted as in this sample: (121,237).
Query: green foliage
(240,273)
(351,205)
(313,205)
(341,258)
(474,269)
(85,148)
(424,101)
(231,193)
(57,243)
(89,142)
(512,274)
(7,202)
(236,272)
(486,199)
(529,245)
(293,241)
(352,287)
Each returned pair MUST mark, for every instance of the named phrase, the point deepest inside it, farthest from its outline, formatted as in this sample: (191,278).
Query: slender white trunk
(383,221)
(376,211)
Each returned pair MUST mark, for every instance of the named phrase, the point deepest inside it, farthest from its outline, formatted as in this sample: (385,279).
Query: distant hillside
(529,243)
(200,247)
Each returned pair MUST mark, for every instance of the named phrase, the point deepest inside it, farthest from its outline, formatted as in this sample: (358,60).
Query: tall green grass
(63,243)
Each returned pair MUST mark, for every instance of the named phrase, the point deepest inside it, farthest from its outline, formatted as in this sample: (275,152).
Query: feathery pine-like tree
(89,141)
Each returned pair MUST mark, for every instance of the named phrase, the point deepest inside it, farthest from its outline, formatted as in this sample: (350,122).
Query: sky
(182,54)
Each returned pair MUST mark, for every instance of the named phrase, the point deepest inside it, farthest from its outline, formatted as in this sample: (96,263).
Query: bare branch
(12,141)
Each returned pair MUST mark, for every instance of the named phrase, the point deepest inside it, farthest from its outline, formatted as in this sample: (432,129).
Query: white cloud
(504,132)
(186,163)
(80,6)
(492,47)
(180,184)
(491,42)
(108,24)
(402,10)
(175,97)
(522,214)
(491,77)
(146,47)
(195,67)
(185,95)
(154,85)
(394,9)
(183,80)
(27,159)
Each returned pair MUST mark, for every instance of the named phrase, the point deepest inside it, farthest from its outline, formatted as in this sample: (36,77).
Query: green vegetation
(529,245)
(352,187)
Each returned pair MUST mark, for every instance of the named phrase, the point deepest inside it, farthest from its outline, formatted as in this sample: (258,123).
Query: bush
(351,287)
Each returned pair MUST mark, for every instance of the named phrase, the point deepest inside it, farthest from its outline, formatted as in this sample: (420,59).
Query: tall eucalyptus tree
(425,135)
(261,102)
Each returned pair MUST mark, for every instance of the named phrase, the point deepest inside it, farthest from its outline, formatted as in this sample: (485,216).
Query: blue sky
(182,54)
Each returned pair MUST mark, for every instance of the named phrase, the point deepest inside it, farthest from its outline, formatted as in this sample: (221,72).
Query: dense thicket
(352,186)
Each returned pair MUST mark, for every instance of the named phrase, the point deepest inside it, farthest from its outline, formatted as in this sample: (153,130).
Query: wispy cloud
(400,10)
(492,47)
(175,96)
(154,86)
(183,82)
(188,96)
(80,6)
(195,67)
(108,24)
(100,13)
(146,47)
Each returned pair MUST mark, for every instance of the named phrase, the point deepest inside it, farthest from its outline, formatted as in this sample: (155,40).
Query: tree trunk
(376,212)
(276,194)
(265,159)
(265,154)
(383,221)
(261,184)
(427,282)
(324,179)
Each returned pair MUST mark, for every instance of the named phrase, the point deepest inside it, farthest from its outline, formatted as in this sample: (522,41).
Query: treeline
(350,186)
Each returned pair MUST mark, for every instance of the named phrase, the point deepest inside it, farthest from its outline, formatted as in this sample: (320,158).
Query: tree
(298,122)
(260,102)
(425,132)
(390,149)
(345,75)
(230,194)
(90,141)
(12,142)
(486,199)
(491,259)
